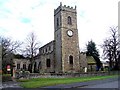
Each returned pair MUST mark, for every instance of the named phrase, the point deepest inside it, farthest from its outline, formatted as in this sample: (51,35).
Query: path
(10,84)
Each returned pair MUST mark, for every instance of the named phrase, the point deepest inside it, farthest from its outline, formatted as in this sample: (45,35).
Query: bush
(6,77)
(22,74)
(26,74)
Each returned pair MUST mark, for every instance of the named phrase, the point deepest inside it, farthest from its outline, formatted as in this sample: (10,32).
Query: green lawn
(41,82)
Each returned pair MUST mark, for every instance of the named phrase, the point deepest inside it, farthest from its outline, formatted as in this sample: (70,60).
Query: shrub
(6,77)
(22,74)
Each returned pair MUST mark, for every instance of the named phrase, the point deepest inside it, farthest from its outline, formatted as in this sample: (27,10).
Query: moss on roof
(90,60)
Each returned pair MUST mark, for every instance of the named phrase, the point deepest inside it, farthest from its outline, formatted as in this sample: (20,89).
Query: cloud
(2,2)
(3,31)
(94,17)
(5,10)
(82,14)
(38,4)
(25,20)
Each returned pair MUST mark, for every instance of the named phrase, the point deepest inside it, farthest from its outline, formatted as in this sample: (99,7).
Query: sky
(94,18)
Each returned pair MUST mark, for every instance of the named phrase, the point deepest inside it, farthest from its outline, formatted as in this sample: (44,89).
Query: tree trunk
(110,63)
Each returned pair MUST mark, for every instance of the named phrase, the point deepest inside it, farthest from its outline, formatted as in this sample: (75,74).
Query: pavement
(10,84)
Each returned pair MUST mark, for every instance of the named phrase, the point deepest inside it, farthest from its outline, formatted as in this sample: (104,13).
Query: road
(107,83)
(113,84)
(10,84)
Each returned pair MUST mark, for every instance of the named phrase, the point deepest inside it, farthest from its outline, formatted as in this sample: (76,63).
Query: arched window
(39,65)
(24,66)
(18,66)
(57,22)
(35,67)
(69,20)
(48,62)
(71,60)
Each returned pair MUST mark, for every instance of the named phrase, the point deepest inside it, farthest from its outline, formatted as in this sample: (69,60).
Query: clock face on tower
(70,33)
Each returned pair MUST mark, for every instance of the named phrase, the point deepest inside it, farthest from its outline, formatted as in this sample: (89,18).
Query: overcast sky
(94,17)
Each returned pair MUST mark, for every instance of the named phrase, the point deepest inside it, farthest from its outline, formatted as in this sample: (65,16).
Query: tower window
(48,63)
(57,22)
(69,20)
(71,60)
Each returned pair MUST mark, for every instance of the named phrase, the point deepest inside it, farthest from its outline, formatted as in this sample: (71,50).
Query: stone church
(62,54)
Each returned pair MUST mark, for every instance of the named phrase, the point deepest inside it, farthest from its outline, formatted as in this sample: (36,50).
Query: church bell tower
(66,39)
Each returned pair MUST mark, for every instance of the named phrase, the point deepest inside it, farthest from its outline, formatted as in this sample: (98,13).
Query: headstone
(85,69)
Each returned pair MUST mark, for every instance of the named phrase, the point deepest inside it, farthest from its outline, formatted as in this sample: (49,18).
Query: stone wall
(47,52)
(58,51)
(68,75)
(66,46)
(83,62)
(21,62)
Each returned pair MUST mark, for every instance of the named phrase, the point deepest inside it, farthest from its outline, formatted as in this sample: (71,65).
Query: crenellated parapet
(64,8)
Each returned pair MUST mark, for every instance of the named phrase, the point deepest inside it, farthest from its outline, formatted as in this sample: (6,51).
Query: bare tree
(8,48)
(31,49)
(111,46)
(107,51)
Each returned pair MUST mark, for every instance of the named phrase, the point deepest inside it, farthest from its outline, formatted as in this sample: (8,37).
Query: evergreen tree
(92,51)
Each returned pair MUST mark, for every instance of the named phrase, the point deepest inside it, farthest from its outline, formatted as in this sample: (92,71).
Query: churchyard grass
(42,82)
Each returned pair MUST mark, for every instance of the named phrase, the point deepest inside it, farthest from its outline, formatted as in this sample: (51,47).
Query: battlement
(65,8)
(69,7)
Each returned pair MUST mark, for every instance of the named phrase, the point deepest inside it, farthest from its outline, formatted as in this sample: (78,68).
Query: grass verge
(42,82)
